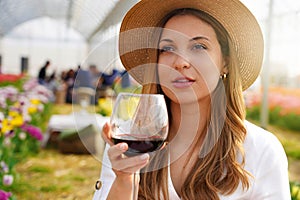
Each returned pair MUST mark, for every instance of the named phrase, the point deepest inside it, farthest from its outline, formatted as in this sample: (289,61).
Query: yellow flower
(13,114)
(17,121)
(295,190)
(35,101)
(6,126)
(101,101)
(32,109)
(105,105)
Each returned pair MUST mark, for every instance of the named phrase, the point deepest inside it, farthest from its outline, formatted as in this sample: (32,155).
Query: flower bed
(24,109)
(284,107)
(9,78)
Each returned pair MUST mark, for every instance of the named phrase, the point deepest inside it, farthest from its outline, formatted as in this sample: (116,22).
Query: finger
(131,164)
(116,151)
(106,133)
(136,168)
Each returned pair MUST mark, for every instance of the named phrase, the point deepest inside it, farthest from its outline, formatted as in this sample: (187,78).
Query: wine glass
(141,121)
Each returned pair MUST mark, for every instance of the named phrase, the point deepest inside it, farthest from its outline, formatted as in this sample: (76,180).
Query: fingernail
(144,156)
(123,146)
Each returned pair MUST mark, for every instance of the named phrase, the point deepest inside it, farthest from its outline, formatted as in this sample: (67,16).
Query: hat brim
(242,27)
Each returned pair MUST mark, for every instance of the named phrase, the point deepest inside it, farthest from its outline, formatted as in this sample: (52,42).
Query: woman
(203,57)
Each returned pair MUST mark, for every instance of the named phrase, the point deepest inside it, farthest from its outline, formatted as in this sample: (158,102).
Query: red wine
(138,146)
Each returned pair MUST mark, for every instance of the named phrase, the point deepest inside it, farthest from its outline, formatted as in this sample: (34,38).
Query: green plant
(295,190)
(289,120)
(253,113)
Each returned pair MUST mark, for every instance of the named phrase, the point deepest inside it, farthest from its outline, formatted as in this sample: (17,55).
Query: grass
(52,175)
(40,169)
(289,139)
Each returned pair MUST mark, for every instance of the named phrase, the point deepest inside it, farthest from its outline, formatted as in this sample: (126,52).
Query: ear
(224,70)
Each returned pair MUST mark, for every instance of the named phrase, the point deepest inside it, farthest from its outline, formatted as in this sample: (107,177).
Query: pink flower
(33,131)
(9,92)
(4,195)
(3,103)
(4,168)
(29,85)
(8,179)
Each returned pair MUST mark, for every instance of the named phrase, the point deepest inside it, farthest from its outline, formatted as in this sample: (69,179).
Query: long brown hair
(219,171)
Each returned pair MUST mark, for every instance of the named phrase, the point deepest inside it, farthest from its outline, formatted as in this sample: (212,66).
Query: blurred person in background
(43,73)
(69,81)
(95,76)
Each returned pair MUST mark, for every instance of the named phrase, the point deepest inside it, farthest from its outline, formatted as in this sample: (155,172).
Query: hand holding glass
(141,121)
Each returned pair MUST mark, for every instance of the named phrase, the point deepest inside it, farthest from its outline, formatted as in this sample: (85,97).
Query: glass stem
(135,185)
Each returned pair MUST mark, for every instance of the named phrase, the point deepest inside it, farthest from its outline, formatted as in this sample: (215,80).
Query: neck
(188,128)
(188,121)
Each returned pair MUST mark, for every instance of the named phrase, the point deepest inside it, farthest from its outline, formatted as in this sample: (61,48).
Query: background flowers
(24,110)
(284,107)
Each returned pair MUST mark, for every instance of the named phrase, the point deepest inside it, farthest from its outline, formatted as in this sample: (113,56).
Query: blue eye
(166,49)
(198,47)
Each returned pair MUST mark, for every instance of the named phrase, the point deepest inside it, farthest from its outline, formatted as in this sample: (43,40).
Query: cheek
(209,73)
(164,74)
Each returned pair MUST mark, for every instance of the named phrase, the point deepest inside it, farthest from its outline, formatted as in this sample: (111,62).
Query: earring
(223,76)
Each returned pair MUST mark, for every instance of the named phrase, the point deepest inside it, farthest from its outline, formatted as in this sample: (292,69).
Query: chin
(187,96)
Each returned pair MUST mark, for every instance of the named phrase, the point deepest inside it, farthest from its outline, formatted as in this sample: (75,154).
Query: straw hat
(137,30)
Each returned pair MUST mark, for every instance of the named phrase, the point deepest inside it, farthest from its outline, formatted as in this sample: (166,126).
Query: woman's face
(190,60)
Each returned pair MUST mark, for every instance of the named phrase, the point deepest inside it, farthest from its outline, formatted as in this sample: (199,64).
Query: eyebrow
(165,40)
(199,38)
(193,39)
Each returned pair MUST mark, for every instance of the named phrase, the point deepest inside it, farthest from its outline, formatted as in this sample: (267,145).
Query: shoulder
(266,160)
(258,137)
(262,147)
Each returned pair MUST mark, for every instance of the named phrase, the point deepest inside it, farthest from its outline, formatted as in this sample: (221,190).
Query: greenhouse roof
(85,16)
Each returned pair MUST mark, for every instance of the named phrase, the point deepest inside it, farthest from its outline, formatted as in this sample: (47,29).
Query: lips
(183,82)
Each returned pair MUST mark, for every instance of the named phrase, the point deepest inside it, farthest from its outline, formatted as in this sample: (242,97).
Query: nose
(181,62)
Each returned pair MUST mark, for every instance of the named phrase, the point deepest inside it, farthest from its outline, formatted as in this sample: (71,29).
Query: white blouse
(265,159)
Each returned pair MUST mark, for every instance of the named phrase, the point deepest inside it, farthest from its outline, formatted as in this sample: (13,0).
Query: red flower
(10,77)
